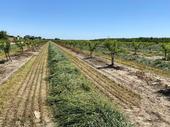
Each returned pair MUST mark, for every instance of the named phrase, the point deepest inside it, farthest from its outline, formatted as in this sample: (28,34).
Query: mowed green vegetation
(73,98)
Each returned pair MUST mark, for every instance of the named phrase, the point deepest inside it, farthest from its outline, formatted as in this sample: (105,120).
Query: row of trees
(113,47)
(30,42)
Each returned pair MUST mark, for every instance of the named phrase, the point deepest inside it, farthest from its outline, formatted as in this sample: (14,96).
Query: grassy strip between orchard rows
(74,101)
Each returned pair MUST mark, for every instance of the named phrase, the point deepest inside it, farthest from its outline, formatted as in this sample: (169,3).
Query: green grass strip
(74,102)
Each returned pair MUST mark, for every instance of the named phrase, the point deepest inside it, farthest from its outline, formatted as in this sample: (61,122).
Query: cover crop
(74,101)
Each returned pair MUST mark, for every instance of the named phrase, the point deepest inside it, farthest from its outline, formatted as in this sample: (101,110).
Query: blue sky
(86,19)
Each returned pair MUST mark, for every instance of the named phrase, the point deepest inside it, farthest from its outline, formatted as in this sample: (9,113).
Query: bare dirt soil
(23,96)
(8,68)
(142,96)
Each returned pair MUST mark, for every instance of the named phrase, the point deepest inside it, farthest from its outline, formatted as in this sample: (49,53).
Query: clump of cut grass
(74,102)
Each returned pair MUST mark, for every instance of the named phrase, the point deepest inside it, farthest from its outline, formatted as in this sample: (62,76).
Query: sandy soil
(8,68)
(154,107)
(153,57)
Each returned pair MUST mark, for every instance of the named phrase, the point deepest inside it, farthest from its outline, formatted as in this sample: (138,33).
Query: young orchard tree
(33,44)
(136,46)
(27,42)
(92,47)
(68,44)
(82,44)
(5,44)
(166,49)
(72,44)
(5,47)
(20,43)
(3,35)
(113,48)
(148,46)
(37,44)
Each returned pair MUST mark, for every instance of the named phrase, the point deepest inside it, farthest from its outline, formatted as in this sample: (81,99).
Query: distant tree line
(140,39)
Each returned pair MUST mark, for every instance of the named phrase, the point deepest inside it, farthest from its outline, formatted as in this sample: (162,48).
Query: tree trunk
(165,55)
(112,58)
(6,56)
(135,53)
(91,54)
(22,49)
(9,57)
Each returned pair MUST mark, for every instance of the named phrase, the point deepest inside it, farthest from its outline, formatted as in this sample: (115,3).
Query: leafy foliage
(135,46)
(92,47)
(20,43)
(166,49)
(5,44)
(113,48)
(136,49)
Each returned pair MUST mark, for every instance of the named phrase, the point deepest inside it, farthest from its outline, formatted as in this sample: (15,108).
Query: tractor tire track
(11,117)
(9,107)
(27,105)
(44,109)
(114,91)
(15,104)
(30,98)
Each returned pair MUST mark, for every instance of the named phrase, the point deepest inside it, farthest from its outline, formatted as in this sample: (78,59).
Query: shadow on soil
(107,66)
(165,92)
(110,66)
(3,61)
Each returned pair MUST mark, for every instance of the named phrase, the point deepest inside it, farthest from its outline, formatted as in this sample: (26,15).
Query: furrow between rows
(102,86)
(36,102)
(11,102)
(105,84)
(46,117)
(28,107)
(16,107)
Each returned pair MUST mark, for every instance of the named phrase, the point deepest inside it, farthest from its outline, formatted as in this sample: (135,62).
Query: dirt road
(23,96)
